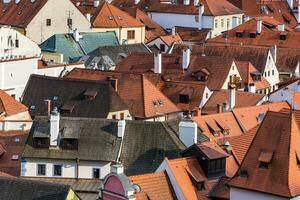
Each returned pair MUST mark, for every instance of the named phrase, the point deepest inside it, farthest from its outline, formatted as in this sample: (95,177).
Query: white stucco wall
(240,194)
(69,168)
(8,125)
(157,42)
(126,113)
(233,71)
(58,12)
(205,97)
(269,67)
(8,48)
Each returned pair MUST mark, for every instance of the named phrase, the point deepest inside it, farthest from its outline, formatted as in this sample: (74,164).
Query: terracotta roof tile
(248,116)
(106,15)
(278,133)
(142,97)
(194,35)
(153,186)
(243,99)
(21,14)
(10,106)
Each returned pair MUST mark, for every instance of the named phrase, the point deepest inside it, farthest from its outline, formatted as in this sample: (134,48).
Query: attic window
(119,17)
(15,157)
(183,98)
(110,17)
(90,94)
(196,178)
(264,159)
(239,34)
(213,127)
(243,173)
(283,36)
(157,102)
(223,126)
(252,34)
(69,107)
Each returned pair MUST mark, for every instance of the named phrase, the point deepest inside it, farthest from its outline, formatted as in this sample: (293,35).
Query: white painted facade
(238,194)
(70,168)
(14,45)
(270,72)
(158,42)
(206,95)
(232,72)
(13,125)
(217,24)
(58,12)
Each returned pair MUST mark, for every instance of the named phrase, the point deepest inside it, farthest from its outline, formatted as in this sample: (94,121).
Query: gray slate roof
(69,93)
(97,140)
(20,189)
(114,53)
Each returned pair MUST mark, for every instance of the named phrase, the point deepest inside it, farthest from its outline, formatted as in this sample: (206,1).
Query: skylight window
(15,157)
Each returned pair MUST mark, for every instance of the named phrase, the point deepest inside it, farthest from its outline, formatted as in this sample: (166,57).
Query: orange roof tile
(153,186)
(180,169)
(106,15)
(278,133)
(10,106)
(248,116)
(170,39)
(143,98)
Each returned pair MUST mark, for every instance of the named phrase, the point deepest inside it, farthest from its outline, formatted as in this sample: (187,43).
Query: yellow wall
(55,57)
(72,195)
(217,31)
(122,33)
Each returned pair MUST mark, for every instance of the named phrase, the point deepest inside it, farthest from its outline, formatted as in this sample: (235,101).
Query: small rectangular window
(57,171)
(131,34)
(216,23)
(69,22)
(162,47)
(17,43)
(96,173)
(41,170)
(273,72)
(222,23)
(48,22)
(184,99)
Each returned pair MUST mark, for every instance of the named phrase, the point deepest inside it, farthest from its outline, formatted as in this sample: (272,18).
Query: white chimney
(298,13)
(246,18)
(96,3)
(196,2)
(200,16)
(186,2)
(235,22)
(136,2)
(280,27)
(186,57)
(121,128)
(232,94)
(76,35)
(188,132)
(88,16)
(117,169)
(291,4)
(252,88)
(6,1)
(17,1)
(173,30)
(273,51)
(157,63)
(54,127)
(258,26)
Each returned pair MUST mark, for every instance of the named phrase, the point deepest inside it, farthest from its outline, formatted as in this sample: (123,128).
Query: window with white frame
(41,169)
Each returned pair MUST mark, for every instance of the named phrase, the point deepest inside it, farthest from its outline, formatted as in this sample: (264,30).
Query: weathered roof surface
(65,93)
(142,97)
(220,190)
(65,44)
(98,140)
(143,4)
(242,99)
(183,169)
(248,116)
(21,14)
(12,143)
(195,91)
(20,189)
(170,39)
(146,144)
(211,150)
(279,10)
(225,123)
(117,53)
(277,144)
(211,8)
(153,186)
(193,35)
(106,15)
(85,188)
(9,106)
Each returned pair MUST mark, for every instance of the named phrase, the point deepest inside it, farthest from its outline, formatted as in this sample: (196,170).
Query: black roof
(70,97)
(144,145)
(97,140)
(20,189)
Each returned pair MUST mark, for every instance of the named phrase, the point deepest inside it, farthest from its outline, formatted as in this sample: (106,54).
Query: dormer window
(183,98)
(68,107)
(214,128)
(69,139)
(239,34)
(243,173)
(283,36)
(41,137)
(264,159)
(90,94)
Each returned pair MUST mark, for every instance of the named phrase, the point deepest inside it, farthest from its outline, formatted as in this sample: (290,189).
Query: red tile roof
(106,15)
(248,116)
(243,99)
(10,106)
(153,186)
(193,35)
(9,167)
(143,98)
(21,14)
(276,143)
